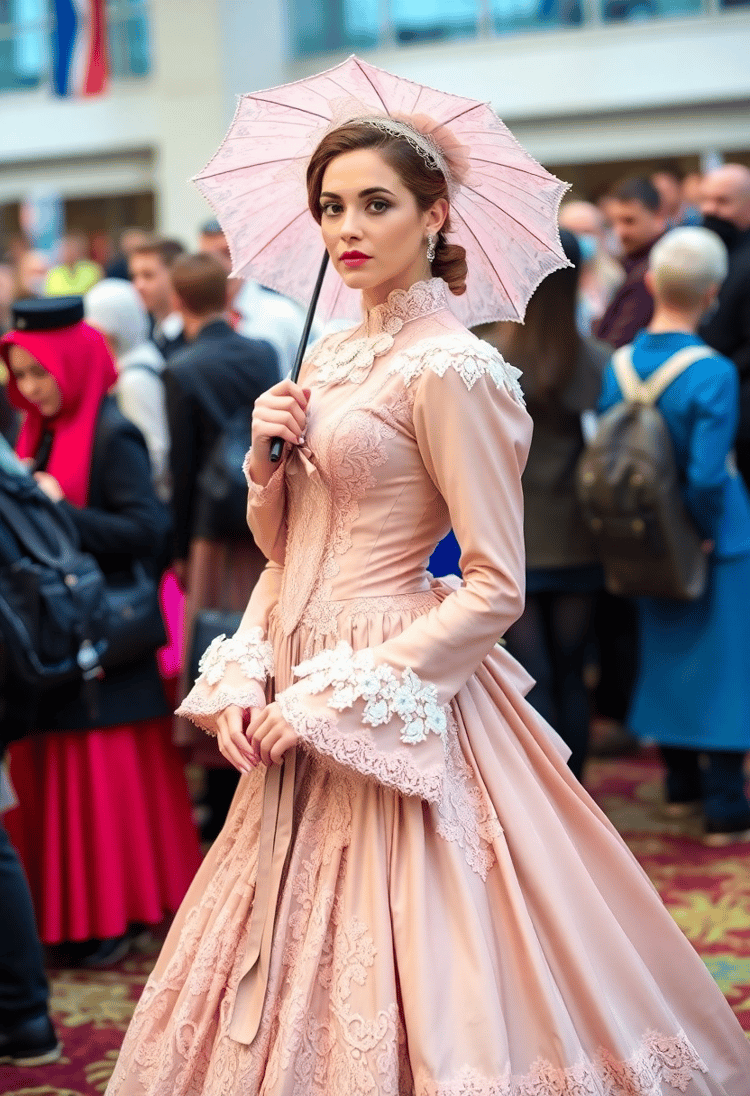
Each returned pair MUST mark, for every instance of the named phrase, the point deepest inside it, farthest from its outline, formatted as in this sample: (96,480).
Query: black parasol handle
(277,444)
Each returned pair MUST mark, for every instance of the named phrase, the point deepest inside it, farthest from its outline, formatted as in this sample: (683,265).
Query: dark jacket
(555,533)
(123,521)
(727,327)
(216,374)
(632,306)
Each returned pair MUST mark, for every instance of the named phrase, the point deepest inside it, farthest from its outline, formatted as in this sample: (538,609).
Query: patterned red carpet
(707,891)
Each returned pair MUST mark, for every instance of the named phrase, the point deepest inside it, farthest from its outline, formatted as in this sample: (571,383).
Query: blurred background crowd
(629,100)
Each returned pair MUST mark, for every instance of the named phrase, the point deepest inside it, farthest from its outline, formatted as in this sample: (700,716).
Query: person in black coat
(104,822)
(218,373)
(725,205)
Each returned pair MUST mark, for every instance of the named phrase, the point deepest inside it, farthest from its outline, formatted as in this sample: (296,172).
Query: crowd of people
(144,395)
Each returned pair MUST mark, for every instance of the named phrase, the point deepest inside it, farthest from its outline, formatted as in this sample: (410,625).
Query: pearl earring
(430,248)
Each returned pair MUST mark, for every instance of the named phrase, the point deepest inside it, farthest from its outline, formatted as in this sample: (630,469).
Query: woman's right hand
(230,734)
(281,412)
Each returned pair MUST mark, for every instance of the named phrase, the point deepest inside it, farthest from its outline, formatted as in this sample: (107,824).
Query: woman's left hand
(270,735)
(50,486)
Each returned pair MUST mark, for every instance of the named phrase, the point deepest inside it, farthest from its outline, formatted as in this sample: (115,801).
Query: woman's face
(34,382)
(374,232)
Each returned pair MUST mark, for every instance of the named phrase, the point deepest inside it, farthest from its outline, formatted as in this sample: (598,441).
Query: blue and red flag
(79,47)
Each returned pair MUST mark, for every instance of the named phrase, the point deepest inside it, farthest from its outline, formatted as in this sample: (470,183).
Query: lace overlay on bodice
(374,370)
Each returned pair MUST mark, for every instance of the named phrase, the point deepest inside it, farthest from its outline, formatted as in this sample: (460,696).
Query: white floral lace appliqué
(351,359)
(249,650)
(471,359)
(386,694)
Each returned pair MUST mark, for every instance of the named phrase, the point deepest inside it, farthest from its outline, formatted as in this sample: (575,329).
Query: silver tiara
(427,148)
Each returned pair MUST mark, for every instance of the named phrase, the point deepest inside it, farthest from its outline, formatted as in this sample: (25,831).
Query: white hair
(686,263)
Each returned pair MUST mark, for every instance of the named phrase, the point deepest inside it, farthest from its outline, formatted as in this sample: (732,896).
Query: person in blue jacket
(693,690)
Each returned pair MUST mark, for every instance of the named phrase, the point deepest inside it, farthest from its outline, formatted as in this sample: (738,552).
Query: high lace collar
(350,359)
(402,305)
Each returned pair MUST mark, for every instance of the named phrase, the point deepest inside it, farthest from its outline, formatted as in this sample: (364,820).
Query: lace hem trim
(357,751)
(660,1059)
(471,359)
(386,694)
(249,650)
(202,709)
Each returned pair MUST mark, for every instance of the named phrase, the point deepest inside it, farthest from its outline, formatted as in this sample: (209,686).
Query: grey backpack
(628,486)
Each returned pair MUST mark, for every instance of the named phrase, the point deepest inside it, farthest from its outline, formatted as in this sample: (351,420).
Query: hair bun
(450,265)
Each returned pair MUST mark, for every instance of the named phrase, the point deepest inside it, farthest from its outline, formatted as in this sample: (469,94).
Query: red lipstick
(353,259)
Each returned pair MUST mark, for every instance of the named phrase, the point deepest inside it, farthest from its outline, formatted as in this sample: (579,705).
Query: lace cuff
(252,653)
(390,726)
(239,667)
(202,706)
(259,495)
(386,695)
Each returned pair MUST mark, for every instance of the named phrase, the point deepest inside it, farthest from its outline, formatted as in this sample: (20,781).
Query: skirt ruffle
(505,943)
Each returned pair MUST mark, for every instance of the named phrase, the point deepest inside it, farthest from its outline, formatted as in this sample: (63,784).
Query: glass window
(23,46)
(327,25)
(128,38)
(632,11)
(432,20)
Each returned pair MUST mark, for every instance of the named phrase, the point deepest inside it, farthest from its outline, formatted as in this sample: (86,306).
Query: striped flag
(79,47)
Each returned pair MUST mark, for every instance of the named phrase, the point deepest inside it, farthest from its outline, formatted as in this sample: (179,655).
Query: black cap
(46,313)
(212,228)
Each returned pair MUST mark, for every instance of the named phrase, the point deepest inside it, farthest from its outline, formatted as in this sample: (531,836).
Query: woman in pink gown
(412,895)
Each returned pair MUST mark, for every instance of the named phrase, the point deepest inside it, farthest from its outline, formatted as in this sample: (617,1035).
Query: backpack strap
(648,392)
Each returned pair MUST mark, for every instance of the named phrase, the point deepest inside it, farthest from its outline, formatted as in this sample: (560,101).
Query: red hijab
(78,359)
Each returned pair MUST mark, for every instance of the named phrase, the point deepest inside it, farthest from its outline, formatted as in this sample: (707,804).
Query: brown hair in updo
(426,183)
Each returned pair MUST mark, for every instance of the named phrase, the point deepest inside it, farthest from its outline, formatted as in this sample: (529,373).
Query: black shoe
(33,1043)
(721,833)
(105,953)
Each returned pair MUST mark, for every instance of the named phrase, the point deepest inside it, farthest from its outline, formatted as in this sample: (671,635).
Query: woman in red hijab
(104,824)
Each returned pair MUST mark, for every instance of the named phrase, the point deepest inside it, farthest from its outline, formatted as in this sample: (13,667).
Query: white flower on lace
(248,650)
(470,357)
(377,713)
(386,694)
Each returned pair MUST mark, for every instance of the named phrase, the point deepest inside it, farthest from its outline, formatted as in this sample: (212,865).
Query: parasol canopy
(503,203)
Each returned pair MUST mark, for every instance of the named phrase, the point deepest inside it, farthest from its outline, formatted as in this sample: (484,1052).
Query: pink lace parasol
(503,207)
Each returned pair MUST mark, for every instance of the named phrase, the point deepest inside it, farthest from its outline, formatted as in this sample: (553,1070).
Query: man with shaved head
(725,205)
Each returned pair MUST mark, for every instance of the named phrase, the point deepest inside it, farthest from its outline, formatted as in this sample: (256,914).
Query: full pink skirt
(104,828)
(417,957)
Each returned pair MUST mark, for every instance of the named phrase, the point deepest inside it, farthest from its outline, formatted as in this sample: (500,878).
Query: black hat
(46,313)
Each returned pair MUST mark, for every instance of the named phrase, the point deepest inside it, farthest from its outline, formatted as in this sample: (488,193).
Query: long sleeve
(709,445)
(182,416)
(727,327)
(130,519)
(141,398)
(266,512)
(235,670)
(383,710)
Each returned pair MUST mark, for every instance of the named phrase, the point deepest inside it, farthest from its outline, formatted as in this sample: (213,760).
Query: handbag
(135,626)
(207,625)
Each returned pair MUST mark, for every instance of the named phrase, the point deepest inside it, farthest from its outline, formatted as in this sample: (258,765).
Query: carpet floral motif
(706,890)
